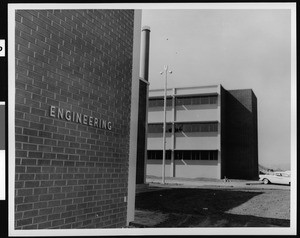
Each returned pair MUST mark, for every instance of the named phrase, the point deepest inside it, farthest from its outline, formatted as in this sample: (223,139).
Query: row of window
(198,100)
(180,101)
(159,102)
(184,127)
(158,154)
(184,154)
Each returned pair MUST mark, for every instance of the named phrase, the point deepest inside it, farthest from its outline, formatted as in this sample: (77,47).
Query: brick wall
(69,174)
(239,141)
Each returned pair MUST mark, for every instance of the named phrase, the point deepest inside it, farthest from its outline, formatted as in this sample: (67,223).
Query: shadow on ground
(185,207)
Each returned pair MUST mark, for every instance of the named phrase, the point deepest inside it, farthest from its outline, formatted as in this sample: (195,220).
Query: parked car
(276,177)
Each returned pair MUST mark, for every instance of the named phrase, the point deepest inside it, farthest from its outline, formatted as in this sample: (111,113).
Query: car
(276,177)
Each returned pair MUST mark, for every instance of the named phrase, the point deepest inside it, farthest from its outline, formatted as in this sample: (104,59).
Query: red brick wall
(71,175)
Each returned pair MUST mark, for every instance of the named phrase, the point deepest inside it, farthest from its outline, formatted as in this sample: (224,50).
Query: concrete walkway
(201,182)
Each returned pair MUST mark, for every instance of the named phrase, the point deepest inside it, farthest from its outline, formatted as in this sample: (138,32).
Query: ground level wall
(185,168)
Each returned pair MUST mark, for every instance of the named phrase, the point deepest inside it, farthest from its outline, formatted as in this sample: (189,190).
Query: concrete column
(145,46)
(219,175)
(172,165)
(143,106)
(134,118)
(146,137)
(144,73)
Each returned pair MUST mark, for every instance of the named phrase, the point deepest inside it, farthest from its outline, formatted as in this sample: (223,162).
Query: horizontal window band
(183,154)
(184,127)
(182,100)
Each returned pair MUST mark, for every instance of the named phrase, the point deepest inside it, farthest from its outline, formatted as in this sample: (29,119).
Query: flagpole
(164,124)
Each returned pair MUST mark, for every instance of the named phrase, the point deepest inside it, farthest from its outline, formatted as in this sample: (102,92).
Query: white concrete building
(193,132)
(210,133)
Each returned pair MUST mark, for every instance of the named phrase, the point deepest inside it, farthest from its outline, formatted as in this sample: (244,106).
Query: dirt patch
(149,218)
(269,204)
(187,207)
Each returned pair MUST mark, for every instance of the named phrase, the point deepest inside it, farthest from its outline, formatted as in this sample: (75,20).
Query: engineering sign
(80,118)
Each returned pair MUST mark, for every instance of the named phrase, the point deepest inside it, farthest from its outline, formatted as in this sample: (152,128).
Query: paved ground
(212,203)
(204,182)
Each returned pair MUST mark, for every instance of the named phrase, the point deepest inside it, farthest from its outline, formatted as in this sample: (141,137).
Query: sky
(237,48)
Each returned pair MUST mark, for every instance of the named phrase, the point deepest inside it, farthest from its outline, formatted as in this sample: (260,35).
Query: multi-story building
(210,132)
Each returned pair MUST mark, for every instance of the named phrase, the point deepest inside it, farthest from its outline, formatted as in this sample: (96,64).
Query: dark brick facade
(71,175)
(239,142)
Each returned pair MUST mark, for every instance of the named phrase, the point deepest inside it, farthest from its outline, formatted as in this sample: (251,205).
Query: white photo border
(147,231)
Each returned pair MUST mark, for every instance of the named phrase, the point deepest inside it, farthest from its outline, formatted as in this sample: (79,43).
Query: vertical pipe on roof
(145,46)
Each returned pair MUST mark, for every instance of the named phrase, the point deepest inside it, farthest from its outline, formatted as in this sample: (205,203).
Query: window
(187,101)
(155,128)
(213,127)
(168,128)
(196,127)
(213,155)
(158,128)
(196,100)
(204,155)
(196,155)
(205,100)
(213,100)
(178,155)
(187,128)
(159,102)
(184,127)
(179,101)
(186,155)
(205,128)
(178,127)
(158,155)
(154,154)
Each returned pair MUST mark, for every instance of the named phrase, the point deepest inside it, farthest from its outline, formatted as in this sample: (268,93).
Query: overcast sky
(238,49)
